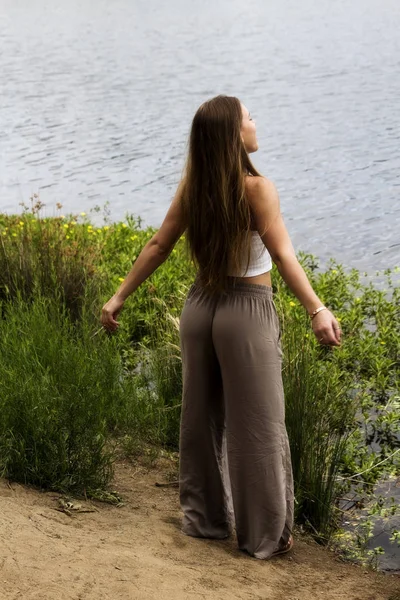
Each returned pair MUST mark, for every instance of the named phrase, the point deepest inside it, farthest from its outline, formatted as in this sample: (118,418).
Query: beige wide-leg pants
(235,464)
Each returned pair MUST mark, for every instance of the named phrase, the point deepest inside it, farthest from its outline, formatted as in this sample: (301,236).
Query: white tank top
(260,259)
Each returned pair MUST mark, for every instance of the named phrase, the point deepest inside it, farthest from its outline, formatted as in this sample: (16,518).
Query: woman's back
(257,263)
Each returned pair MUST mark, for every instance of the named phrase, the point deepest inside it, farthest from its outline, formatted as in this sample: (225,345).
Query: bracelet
(316,311)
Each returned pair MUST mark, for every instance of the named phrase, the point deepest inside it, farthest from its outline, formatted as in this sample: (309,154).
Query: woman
(235,464)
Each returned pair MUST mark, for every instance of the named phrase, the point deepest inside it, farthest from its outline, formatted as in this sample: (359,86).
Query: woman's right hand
(110,312)
(326,328)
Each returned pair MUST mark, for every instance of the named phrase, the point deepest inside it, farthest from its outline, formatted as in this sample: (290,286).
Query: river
(97,97)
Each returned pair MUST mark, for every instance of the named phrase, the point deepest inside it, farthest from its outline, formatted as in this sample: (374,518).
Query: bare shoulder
(261,190)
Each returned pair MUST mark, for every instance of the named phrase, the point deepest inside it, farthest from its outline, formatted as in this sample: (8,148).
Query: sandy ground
(137,552)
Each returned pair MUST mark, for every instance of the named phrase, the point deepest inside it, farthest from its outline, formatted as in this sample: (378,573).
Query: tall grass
(48,257)
(162,370)
(320,417)
(61,388)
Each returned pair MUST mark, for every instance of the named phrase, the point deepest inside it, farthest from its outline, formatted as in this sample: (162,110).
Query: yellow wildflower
(83,214)
(67,237)
(133,237)
(121,279)
(14,235)
(291,303)
(124,225)
(21,223)
(383,343)
(106,227)
(66,225)
(73,223)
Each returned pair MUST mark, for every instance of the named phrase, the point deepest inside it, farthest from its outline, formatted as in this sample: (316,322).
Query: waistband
(243,289)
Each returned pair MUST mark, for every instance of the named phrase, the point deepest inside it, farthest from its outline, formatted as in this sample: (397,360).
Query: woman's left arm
(153,254)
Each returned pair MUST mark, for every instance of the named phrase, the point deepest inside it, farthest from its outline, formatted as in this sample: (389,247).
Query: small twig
(97,332)
(370,468)
(347,499)
(165,408)
(312,526)
(63,510)
(344,511)
(169,484)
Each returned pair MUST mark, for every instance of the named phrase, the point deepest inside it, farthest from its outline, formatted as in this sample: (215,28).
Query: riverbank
(137,551)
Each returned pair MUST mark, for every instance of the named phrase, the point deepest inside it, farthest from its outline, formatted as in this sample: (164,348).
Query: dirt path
(136,552)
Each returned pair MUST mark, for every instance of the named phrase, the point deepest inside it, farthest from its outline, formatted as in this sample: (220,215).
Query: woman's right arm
(264,201)
(153,254)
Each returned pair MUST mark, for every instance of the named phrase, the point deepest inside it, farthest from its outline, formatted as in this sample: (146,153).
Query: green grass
(59,390)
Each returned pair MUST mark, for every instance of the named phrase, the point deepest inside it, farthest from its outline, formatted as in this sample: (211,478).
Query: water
(97,96)
(382,528)
(386,489)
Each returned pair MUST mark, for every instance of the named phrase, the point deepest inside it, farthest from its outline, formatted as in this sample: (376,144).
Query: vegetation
(71,395)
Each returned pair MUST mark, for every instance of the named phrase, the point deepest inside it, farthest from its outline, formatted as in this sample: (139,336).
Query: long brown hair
(216,210)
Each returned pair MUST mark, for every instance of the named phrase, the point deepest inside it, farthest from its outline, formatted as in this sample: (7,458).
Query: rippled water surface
(97,98)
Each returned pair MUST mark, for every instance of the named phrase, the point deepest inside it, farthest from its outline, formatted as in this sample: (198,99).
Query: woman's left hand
(326,328)
(110,312)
